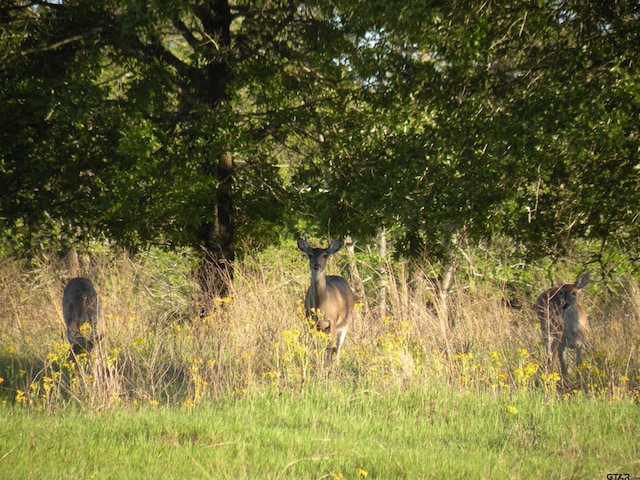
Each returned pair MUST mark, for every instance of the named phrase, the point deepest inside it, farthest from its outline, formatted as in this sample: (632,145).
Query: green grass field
(330,433)
(423,390)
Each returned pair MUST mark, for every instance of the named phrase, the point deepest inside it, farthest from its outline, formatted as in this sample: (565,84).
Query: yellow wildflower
(21,397)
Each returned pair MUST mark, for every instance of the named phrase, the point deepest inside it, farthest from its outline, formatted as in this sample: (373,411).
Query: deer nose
(316,267)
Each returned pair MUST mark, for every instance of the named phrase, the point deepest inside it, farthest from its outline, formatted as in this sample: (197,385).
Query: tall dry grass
(157,348)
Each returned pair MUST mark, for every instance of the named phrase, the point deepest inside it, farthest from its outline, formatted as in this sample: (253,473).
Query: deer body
(563,321)
(329,301)
(80,306)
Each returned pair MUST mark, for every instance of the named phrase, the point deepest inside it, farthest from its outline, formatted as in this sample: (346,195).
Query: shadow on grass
(90,380)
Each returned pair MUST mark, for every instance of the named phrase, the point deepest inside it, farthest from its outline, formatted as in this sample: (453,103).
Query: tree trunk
(216,272)
(219,253)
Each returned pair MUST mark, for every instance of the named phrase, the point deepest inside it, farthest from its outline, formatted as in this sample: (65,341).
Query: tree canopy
(205,123)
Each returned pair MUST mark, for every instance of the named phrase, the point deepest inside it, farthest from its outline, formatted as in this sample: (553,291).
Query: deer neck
(318,288)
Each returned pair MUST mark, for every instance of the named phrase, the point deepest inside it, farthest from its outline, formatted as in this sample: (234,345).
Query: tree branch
(186,33)
(61,43)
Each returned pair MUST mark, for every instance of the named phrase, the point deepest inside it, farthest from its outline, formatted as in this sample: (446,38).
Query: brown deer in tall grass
(563,321)
(330,300)
(80,309)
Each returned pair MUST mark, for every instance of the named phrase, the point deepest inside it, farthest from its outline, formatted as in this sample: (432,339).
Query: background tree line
(225,125)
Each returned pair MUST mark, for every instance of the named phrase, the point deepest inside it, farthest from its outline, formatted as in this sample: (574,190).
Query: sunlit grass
(329,431)
(158,350)
(423,391)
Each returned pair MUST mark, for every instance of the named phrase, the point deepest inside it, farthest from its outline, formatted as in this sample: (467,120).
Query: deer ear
(582,280)
(559,282)
(303,245)
(334,247)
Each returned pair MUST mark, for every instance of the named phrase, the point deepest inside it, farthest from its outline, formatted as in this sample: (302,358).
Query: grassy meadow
(332,432)
(427,385)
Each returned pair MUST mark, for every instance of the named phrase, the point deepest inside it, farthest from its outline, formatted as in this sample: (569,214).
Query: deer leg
(548,353)
(331,347)
(329,358)
(340,336)
(578,357)
(563,365)
(552,345)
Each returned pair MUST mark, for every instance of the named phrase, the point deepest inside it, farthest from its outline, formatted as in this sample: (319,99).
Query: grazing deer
(563,321)
(329,301)
(80,309)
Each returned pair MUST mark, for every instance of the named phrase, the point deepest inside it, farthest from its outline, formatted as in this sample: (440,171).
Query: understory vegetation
(158,348)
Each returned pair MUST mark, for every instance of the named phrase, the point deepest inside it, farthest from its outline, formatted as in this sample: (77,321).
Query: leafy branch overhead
(432,120)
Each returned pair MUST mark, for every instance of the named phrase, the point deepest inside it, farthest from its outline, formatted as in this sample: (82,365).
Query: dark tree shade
(205,123)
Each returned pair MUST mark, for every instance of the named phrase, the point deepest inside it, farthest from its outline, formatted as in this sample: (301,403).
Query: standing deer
(563,321)
(329,301)
(80,309)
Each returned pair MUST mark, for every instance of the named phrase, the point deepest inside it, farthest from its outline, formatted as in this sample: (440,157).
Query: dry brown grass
(157,348)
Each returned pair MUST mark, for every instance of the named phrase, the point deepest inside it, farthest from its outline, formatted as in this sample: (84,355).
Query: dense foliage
(223,123)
